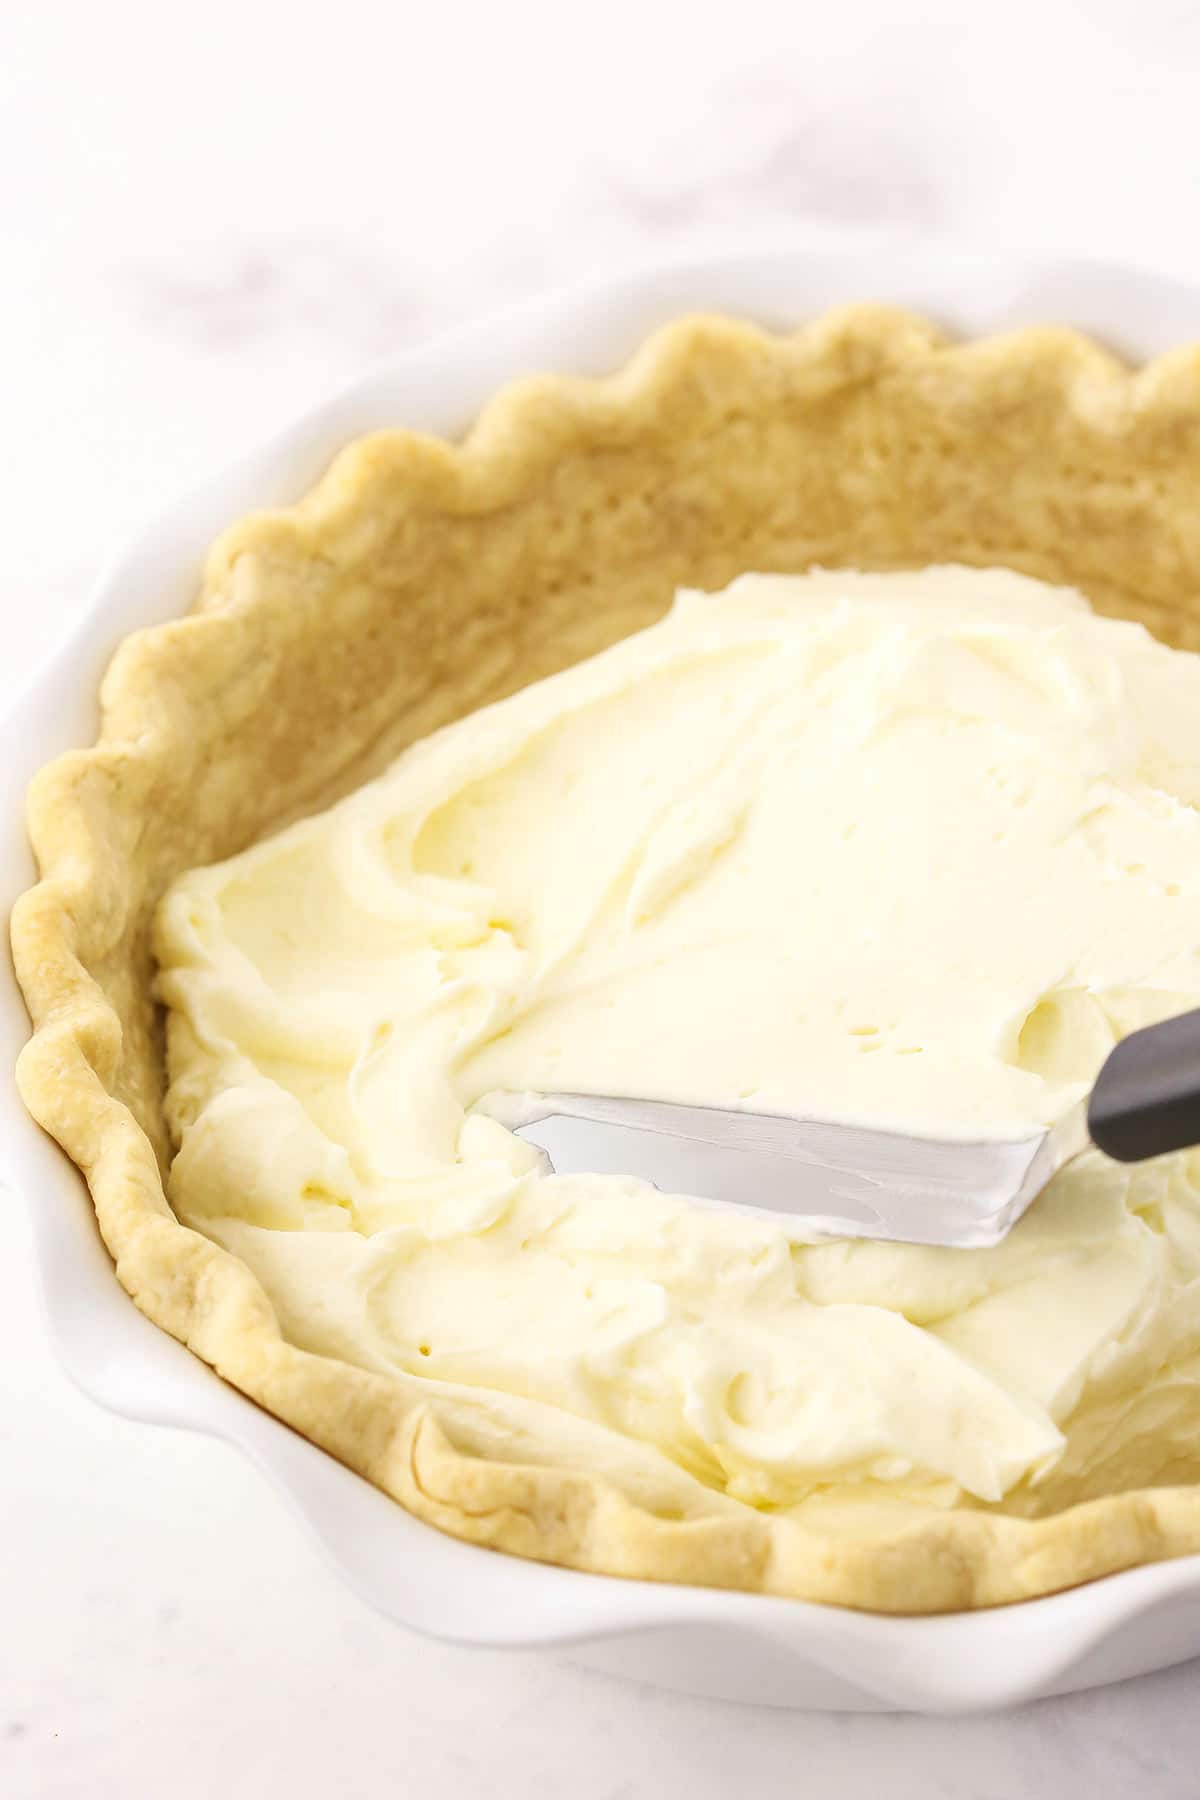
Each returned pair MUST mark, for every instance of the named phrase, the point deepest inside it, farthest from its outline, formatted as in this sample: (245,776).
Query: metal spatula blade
(846,1181)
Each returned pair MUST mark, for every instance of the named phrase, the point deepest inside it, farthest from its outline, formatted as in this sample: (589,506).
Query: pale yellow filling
(906,849)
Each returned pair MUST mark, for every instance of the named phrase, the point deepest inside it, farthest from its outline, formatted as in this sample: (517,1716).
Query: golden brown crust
(419,580)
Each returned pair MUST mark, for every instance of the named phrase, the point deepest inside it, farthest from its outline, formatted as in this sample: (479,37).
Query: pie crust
(419,580)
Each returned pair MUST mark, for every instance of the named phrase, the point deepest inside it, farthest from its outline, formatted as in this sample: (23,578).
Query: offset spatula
(843,1181)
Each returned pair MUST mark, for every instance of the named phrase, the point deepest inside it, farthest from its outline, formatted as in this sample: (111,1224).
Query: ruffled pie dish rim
(72,1065)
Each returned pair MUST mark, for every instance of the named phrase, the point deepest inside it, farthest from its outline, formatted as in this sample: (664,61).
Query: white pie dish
(735,1645)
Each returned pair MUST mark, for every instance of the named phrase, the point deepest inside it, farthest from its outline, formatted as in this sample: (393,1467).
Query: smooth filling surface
(909,850)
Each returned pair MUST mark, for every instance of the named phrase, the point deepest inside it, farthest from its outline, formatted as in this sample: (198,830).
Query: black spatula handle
(1146,1100)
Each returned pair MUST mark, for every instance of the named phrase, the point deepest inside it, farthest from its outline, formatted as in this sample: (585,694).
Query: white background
(207,216)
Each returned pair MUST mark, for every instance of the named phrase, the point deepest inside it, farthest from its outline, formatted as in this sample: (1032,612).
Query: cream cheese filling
(907,849)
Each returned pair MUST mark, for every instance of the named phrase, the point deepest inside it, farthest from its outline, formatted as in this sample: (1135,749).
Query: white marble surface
(207,218)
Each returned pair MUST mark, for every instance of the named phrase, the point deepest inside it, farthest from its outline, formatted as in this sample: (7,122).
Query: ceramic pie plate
(742,1646)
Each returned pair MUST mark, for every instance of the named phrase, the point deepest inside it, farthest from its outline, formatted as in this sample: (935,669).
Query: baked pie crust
(420,580)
